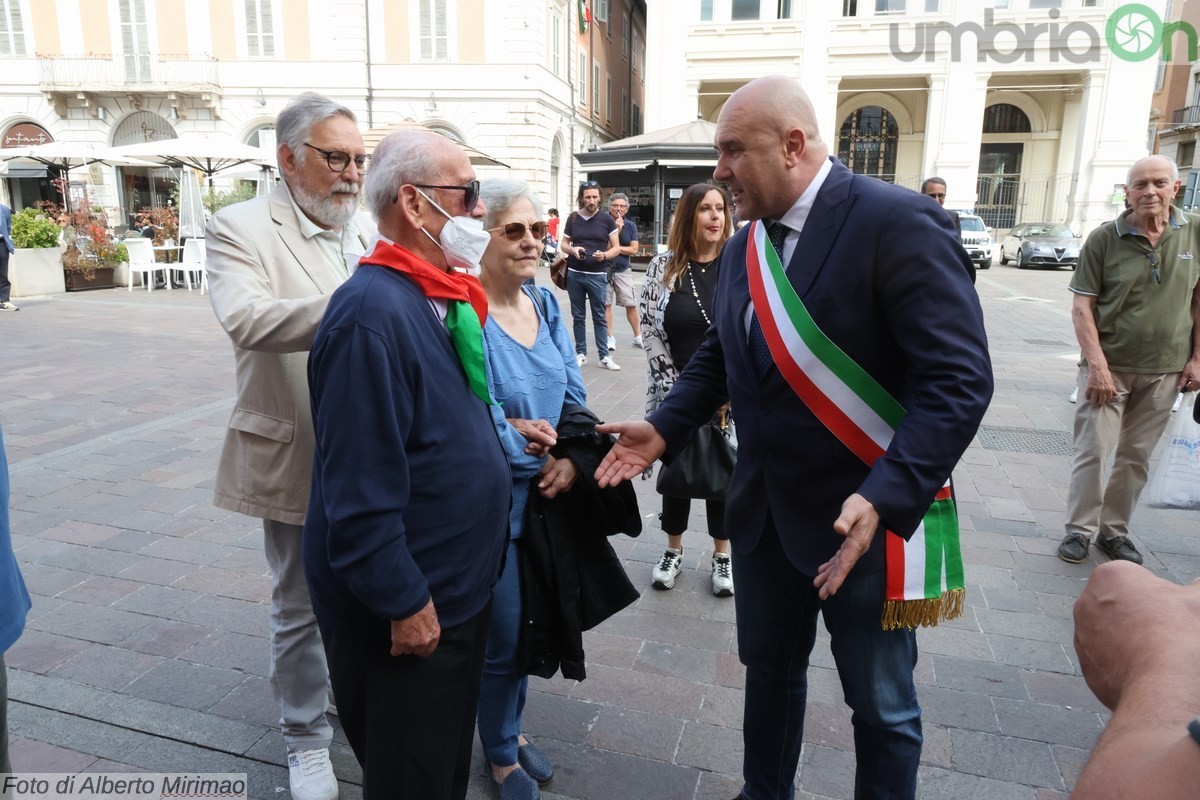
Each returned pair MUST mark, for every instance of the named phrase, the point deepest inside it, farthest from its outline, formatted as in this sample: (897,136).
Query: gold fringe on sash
(927,613)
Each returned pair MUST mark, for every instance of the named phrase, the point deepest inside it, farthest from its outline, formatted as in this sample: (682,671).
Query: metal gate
(1008,200)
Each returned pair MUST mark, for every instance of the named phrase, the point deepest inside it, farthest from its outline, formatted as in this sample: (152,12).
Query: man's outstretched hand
(858,523)
(637,447)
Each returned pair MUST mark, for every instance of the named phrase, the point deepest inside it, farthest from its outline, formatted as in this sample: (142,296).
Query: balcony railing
(1188,115)
(133,72)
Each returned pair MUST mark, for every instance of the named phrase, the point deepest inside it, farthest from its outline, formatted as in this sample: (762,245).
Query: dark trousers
(676,511)
(409,720)
(5,283)
(777,626)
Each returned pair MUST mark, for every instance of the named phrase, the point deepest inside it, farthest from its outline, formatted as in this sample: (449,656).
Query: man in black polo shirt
(590,241)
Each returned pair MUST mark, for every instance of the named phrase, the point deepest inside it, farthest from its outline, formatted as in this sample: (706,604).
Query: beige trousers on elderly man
(1131,425)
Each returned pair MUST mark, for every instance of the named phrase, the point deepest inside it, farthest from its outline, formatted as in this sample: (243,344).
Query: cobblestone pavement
(146,650)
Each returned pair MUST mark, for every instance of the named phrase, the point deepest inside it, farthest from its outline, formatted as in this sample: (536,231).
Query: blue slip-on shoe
(536,763)
(517,786)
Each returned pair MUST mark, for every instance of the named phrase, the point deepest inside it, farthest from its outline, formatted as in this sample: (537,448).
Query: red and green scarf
(925,580)
(466,310)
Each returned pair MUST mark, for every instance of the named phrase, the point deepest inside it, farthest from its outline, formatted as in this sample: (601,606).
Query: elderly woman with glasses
(533,372)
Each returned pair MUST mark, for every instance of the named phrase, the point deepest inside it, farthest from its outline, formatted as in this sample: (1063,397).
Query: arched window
(1005,118)
(263,136)
(868,141)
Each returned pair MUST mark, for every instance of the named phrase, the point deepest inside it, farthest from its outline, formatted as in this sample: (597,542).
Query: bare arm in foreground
(1138,641)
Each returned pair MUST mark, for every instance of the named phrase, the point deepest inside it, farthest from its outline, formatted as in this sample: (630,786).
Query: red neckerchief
(435,283)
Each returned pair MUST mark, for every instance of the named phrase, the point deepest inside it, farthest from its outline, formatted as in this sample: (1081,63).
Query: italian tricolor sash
(925,573)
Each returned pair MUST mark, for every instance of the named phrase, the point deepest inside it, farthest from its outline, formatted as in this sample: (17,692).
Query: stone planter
(98,278)
(35,272)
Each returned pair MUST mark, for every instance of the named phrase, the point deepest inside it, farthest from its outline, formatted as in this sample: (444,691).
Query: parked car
(1041,244)
(976,239)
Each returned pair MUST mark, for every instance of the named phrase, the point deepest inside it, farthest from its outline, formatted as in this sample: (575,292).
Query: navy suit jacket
(884,276)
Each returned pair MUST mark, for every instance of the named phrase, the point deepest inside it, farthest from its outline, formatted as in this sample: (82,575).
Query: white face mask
(463,240)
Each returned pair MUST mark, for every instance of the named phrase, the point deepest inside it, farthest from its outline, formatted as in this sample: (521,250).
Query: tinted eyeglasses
(590,185)
(472,190)
(338,161)
(515,231)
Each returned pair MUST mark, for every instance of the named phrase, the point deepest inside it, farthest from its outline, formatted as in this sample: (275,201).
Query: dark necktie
(760,353)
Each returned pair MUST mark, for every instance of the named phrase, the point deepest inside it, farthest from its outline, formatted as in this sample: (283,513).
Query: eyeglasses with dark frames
(1152,256)
(472,190)
(338,160)
(515,231)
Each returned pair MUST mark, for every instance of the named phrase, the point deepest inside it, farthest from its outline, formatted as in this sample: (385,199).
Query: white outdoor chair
(141,260)
(193,262)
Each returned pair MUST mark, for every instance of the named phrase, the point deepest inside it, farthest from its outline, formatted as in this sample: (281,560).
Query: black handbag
(702,470)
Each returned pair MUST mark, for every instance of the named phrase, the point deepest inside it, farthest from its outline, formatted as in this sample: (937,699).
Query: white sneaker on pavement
(637,342)
(581,358)
(612,343)
(669,566)
(310,775)
(9,306)
(608,363)
(1074,395)
(722,575)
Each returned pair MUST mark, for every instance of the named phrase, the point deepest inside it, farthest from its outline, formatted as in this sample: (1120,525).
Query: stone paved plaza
(146,649)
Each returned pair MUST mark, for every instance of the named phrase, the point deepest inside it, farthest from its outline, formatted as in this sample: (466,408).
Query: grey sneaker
(8,305)
(722,575)
(608,363)
(1074,548)
(1118,548)
(667,568)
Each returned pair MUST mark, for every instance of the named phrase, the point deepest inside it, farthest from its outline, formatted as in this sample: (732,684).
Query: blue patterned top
(530,383)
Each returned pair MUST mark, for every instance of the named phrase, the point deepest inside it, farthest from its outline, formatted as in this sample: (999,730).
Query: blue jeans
(503,689)
(777,625)
(589,287)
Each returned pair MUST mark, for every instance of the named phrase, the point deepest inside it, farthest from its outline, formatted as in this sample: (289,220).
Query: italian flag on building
(585,16)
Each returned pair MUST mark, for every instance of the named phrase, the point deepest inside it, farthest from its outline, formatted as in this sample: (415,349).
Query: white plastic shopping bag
(1176,480)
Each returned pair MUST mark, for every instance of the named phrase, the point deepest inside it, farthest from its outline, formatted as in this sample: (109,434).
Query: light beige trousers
(1131,425)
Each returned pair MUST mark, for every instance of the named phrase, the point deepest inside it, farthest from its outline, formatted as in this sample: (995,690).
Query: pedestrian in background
(589,242)
(6,303)
(676,311)
(620,273)
(1136,312)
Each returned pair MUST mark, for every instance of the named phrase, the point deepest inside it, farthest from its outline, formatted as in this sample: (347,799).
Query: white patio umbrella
(209,156)
(65,156)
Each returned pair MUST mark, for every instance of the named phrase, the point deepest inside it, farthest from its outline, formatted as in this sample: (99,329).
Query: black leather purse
(702,470)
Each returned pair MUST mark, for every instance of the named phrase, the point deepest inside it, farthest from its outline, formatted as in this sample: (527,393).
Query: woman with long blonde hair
(676,310)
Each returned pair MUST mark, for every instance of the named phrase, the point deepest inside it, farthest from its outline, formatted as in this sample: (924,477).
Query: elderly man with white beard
(272,264)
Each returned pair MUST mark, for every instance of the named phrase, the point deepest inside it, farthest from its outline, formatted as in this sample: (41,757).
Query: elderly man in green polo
(1137,317)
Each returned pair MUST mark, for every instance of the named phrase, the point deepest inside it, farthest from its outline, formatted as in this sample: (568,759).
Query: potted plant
(35,267)
(91,263)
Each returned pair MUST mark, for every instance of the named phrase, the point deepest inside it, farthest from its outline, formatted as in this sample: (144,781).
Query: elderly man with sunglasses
(411,487)
(1136,313)
(272,264)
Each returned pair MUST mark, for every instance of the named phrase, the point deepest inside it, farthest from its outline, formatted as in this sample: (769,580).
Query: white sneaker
(608,363)
(722,575)
(637,342)
(9,306)
(670,565)
(612,343)
(310,775)
(1074,395)
(581,358)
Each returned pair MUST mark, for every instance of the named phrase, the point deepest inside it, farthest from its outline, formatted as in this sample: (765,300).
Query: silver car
(1040,244)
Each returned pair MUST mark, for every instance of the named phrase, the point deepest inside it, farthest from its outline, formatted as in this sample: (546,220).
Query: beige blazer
(269,287)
